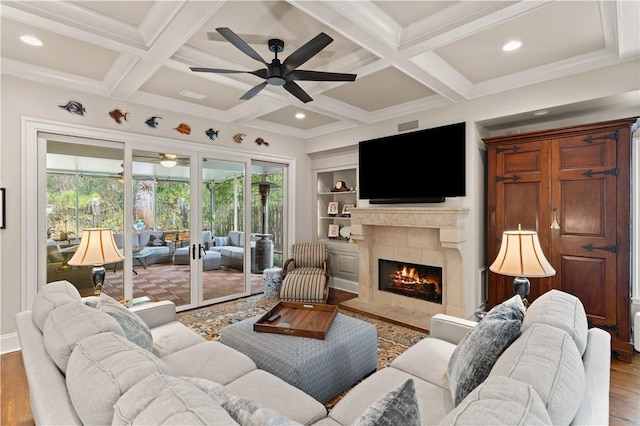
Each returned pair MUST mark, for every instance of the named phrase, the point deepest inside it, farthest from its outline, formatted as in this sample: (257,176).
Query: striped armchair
(306,274)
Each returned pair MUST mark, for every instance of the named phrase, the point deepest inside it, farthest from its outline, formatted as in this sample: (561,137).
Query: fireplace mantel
(422,235)
(450,221)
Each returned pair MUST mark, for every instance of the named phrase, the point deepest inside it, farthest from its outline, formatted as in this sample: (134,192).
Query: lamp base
(521,287)
(98,274)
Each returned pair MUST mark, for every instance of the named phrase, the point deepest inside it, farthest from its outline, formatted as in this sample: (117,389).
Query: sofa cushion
(51,296)
(101,369)
(236,238)
(476,353)
(499,401)
(397,407)
(210,360)
(161,399)
(547,358)
(173,337)
(428,360)
(134,328)
(245,411)
(68,324)
(561,310)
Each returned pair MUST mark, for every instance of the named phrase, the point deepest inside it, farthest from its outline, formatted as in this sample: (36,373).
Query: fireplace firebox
(422,282)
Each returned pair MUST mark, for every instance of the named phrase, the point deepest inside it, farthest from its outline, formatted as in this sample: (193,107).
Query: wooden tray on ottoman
(298,319)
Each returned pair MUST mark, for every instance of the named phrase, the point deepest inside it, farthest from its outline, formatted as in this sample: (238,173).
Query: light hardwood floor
(624,397)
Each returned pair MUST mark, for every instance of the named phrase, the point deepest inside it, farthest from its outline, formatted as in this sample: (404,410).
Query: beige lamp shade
(520,255)
(97,247)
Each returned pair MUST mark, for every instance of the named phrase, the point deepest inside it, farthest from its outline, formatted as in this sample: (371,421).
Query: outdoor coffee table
(320,367)
(140,256)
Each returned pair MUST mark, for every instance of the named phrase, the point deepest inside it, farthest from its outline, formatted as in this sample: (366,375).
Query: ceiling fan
(166,160)
(284,73)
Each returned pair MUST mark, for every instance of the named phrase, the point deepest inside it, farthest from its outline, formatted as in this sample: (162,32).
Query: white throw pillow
(160,399)
(50,296)
(101,368)
(68,324)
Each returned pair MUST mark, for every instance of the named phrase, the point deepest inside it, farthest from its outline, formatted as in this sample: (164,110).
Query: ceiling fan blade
(262,73)
(254,91)
(216,70)
(307,51)
(319,76)
(234,39)
(297,91)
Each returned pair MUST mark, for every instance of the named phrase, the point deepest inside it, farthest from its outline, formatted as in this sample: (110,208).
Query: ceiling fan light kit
(279,73)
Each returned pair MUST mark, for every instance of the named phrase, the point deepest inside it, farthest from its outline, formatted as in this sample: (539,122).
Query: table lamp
(97,248)
(521,256)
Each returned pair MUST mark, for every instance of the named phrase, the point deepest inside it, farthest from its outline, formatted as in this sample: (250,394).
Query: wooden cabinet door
(584,249)
(518,194)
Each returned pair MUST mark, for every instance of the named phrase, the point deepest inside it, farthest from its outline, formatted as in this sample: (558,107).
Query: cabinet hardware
(612,136)
(591,247)
(514,148)
(612,172)
(513,178)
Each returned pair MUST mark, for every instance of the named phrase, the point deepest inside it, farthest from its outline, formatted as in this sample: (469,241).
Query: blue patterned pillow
(397,407)
(135,330)
(477,352)
(221,241)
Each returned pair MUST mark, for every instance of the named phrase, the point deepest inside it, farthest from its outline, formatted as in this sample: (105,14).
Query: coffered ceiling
(408,55)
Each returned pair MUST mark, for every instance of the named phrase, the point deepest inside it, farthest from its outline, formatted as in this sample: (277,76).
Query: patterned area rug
(393,339)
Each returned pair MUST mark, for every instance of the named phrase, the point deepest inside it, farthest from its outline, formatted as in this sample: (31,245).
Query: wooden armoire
(580,177)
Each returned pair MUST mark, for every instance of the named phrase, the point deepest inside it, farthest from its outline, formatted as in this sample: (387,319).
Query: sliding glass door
(192,227)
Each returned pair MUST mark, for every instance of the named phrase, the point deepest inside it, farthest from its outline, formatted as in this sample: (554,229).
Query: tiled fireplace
(433,236)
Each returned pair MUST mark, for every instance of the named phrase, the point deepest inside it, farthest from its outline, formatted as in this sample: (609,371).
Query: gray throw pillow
(221,241)
(397,407)
(135,330)
(478,351)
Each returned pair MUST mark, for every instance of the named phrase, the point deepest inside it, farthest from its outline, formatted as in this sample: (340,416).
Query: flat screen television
(423,166)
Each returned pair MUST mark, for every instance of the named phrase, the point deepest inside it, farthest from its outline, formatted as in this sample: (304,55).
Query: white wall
(25,99)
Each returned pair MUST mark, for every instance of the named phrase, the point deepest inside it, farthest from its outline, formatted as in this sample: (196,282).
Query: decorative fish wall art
(153,121)
(238,137)
(184,129)
(212,133)
(260,141)
(74,107)
(118,115)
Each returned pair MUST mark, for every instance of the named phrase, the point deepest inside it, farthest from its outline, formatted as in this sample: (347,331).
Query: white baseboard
(342,284)
(9,343)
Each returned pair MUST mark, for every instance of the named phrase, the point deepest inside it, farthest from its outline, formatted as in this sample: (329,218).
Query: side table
(272,281)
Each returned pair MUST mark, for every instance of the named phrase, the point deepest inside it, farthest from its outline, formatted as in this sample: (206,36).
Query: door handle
(193,252)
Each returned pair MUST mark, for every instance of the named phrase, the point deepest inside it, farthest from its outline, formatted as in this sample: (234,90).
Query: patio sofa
(231,248)
(152,240)
(148,368)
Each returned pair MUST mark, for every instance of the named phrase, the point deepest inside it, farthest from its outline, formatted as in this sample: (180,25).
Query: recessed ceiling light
(31,40)
(300,115)
(511,45)
(541,112)
(192,95)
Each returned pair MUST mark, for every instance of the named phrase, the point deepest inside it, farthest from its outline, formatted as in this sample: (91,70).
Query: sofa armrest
(594,409)
(156,313)
(289,265)
(449,328)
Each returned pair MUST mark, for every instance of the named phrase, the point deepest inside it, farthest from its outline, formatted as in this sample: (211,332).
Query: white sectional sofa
(83,367)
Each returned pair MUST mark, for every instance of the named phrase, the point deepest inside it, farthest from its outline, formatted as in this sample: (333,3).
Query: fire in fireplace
(408,279)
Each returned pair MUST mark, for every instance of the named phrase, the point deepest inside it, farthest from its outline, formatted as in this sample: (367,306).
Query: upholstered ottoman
(321,368)
(212,259)
(304,288)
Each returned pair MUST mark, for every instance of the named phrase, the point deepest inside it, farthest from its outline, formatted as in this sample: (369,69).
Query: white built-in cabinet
(343,254)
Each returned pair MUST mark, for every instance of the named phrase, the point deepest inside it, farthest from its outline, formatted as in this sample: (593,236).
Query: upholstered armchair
(306,274)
